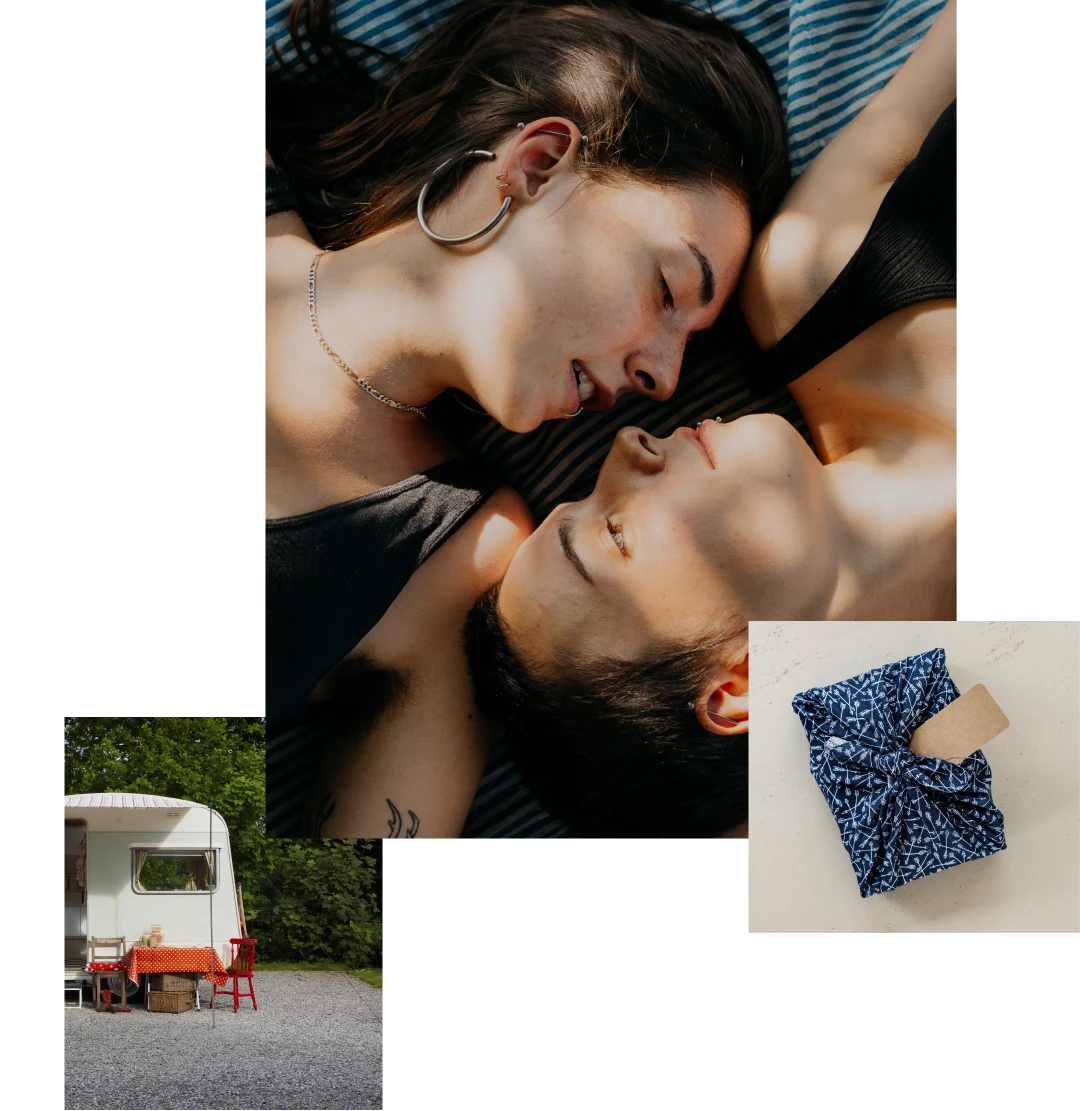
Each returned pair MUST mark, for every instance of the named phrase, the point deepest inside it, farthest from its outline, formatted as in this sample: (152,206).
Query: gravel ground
(315,1042)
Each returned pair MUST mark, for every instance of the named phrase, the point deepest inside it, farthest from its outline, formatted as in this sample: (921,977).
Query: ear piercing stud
(548,131)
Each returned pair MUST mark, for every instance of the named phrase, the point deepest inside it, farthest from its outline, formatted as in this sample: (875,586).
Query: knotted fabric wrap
(901,816)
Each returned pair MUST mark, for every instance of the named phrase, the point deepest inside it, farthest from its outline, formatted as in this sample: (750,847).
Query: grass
(371,976)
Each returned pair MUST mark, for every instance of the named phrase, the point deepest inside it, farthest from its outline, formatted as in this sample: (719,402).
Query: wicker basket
(172,1002)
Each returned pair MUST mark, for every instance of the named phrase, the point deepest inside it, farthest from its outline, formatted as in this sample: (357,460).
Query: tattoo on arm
(396,822)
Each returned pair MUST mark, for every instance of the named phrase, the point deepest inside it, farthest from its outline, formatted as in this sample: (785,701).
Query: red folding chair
(241,968)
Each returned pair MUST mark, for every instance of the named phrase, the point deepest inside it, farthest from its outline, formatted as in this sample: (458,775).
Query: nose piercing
(575,413)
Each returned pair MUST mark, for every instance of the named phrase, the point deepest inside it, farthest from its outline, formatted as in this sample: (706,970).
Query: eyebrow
(708,283)
(566,539)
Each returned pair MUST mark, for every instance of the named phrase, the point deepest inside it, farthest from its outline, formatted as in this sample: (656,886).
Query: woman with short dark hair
(615,649)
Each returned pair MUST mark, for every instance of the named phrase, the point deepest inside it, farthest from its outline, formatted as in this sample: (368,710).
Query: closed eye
(617,535)
(665,292)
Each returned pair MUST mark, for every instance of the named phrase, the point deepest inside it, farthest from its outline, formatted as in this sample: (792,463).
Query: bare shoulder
(477,555)
(818,227)
(429,614)
(828,212)
(494,532)
(289,251)
(285,227)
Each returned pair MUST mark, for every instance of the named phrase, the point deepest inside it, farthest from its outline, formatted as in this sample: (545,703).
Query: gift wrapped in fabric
(901,816)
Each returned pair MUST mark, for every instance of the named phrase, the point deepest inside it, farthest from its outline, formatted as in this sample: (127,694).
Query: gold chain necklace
(339,360)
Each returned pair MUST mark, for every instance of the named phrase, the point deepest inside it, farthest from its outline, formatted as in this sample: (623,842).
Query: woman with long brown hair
(537,212)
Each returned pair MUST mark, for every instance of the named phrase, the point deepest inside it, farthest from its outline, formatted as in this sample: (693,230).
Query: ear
(723,707)
(540,151)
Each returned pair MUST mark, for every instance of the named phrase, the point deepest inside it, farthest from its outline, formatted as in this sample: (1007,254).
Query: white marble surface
(801,878)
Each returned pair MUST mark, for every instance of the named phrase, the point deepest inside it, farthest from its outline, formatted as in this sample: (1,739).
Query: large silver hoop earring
(458,238)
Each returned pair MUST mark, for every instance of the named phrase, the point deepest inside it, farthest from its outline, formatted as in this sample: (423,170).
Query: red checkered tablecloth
(169,958)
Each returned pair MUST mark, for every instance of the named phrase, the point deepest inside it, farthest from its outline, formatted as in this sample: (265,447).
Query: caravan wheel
(134,992)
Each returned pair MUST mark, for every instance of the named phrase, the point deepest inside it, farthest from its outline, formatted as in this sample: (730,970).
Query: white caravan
(136,861)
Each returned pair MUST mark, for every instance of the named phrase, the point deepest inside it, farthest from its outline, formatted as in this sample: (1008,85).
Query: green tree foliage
(304,900)
(216,761)
(317,900)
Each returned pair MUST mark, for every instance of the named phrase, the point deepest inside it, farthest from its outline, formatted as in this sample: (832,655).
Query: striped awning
(130,802)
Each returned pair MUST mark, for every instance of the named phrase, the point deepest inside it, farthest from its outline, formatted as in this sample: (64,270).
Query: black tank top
(908,256)
(330,576)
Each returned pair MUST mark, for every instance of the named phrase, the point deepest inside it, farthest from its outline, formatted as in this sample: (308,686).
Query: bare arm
(826,215)
(414,773)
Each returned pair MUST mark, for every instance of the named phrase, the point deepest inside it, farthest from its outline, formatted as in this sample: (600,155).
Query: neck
(896,530)
(381,307)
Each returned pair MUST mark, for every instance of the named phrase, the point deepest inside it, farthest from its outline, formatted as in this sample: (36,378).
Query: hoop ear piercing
(489,226)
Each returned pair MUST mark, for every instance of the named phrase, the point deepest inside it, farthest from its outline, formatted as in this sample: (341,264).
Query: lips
(583,389)
(706,434)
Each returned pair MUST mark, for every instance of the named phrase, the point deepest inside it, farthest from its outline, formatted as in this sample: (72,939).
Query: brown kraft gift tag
(962,728)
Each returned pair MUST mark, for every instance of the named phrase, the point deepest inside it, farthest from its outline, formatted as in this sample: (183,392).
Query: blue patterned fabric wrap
(829,58)
(901,816)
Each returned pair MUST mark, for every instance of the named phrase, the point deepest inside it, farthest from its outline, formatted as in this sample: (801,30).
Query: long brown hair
(666,95)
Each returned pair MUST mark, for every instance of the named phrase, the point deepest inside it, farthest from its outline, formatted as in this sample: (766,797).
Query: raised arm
(413,773)
(829,210)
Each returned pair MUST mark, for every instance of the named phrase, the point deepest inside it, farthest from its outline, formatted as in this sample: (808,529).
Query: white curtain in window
(140,860)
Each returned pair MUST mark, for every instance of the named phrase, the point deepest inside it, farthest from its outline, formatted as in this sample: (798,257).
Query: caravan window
(179,870)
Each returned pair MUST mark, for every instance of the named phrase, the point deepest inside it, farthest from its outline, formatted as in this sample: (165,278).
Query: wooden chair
(241,968)
(108,964)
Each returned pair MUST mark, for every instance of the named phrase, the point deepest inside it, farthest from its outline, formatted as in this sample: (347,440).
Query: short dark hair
(613,747)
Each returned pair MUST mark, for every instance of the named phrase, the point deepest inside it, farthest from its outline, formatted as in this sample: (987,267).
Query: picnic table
(145,961)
